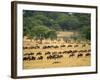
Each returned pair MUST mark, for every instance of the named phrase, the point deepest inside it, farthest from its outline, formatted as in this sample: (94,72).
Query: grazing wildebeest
(79,55)
(40,58)
(25,58)
(55,62)
(47,53)
(89,43)
(89,50)
(74,51)
(44,47)
(48,46)
(69,46)
(84,45)
(82,51)
(56,46)
(54,56)
(29,58)
(32,58)
(57,56)
(71,55)
(64,52)
(54,53)
(59,52)
(39,53)
(87,54)
(28,54)
(63,46)
(24,47)
(49,57)
(76,45)
(70,51)
(32,47)
(31,53)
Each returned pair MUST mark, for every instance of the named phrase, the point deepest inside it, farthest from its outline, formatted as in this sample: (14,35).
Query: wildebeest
(74,51)
(89,50)
(56,46)
(32,58)
(79,55)
(76,45)
(54,53)
(69,46)
(63,46)
(87,54)
(39,53)
(70,51)
(84,45)
(29,58)
(47,53)
(71,55)
(54,56)
(60,52)
(40,58)
(81,51)
(64,52)
(55,62)
(25,58)
(26,54)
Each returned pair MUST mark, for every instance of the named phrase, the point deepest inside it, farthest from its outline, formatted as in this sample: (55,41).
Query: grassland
(65,61)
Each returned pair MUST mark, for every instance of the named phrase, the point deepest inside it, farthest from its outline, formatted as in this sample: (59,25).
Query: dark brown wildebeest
(57,56)
(63,46)
(71,55)
(70,51)
(47,53)
(39,53)
(40,58)
(32,53)
(74,51)
(25,47)
(32,58)
(89,43)
(59,52)
(56,46)
(87,54)
(69,46)
(76,45)
(56,62)
(25,58)
(65,52)
(28,54)
(79,55)
(44,47)
(49,57)
(82,51)
(54,53)
(89,50)
(54,56)
(84,45)
(29,58)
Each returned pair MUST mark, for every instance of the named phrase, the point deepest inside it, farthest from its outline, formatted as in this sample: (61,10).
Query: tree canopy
(44,24)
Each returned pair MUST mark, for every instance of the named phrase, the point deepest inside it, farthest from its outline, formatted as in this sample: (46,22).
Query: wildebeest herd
(53,52)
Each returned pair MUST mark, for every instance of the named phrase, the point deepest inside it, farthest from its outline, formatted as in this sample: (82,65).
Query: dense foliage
(43,24)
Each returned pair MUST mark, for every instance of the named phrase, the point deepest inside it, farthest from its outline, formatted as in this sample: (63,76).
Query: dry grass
(65,61)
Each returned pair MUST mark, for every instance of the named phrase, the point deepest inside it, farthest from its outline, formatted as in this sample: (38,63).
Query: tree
(85,32)
(51,34)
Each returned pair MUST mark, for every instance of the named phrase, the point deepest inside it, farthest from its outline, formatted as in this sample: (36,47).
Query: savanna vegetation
(43,25)
(56,39)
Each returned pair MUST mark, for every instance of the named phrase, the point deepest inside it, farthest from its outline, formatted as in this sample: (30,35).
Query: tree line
(44,24)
